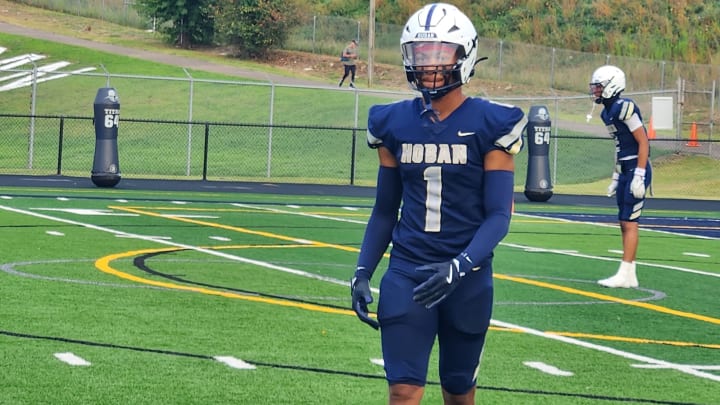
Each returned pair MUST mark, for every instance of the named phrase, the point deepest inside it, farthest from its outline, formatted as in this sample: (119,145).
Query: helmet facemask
(433,67)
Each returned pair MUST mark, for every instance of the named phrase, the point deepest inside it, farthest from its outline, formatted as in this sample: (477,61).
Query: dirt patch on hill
(391,77)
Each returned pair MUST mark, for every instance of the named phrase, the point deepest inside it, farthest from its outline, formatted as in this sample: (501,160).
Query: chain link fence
(157,149)
(193,126)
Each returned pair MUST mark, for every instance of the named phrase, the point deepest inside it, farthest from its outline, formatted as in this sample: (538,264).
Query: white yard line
(180,245)
(71,359)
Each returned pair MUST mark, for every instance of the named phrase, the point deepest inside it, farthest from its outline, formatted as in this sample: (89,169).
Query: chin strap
(589,116)
(428,111)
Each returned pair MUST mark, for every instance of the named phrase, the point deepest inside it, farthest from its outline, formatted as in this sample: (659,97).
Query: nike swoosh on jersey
(461,133)
(449,277)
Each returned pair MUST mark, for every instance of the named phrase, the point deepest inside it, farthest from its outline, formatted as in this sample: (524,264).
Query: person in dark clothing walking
(349,59)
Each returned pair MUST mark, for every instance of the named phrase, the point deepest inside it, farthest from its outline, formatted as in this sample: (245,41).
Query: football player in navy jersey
(633,173)
(447,160)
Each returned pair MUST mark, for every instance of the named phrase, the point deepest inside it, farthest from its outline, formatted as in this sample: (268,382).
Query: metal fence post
(500,58)
(60,145)
(270,128)
(206,147)
(314,29)
(190,120)
(712,119)
(552,70)
(33,95)
(353,147)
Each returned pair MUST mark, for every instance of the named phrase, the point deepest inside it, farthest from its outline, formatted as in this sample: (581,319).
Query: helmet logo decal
(426,35)
(429,17)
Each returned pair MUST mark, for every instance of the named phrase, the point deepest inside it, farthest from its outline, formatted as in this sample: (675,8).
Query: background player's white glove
(444,279)
(637,185)
(361,297)
(613,184)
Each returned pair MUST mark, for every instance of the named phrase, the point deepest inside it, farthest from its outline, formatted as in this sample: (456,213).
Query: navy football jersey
(615,118)
(441,165)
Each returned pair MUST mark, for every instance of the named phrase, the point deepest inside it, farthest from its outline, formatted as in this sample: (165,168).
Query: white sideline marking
(63,199)
(6,197)
(235,363)
(619,252)
(178,202)
(71,359)
(11,63)
(147,236)
(379,362)
(54,233)
(607,259)
(696,367)
(695,254)
(41,76)
(88,212)
(220,238)
(121,201)
(541,250)
(303,214)
(350,208)
(514,245)
(631,356)
(546,368)
(292,206)
(189,216)
(614,226)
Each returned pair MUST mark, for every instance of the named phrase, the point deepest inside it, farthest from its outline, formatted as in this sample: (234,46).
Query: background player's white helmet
(445,28)
(607,82)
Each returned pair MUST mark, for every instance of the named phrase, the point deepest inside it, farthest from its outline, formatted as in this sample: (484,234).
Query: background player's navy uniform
(441,165)
(626,153)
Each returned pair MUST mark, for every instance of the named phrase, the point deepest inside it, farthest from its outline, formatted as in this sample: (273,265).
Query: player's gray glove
(361,297)
(443,280)
(613,184)
(637,185)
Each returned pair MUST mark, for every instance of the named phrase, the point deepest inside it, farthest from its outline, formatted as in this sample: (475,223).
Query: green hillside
(686,31)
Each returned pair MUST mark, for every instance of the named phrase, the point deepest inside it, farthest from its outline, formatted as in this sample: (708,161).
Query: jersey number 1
(433,199)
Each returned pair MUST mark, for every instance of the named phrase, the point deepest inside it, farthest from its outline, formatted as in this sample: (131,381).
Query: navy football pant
(629,207)
(408,330)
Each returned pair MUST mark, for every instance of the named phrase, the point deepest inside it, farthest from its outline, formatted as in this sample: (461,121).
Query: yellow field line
(602,297)
(104,265)
(340,214)
(235,228)
(635,340)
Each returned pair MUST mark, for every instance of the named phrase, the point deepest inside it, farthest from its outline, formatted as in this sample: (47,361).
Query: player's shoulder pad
(626,109)
(377,120)
(512,142)
(372,141)
(381,118)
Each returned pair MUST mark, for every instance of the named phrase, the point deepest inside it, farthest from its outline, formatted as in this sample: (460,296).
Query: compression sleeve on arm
(498,192)
(383,218)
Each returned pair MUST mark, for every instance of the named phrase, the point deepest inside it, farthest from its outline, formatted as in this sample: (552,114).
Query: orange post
(651,130)
(693,137)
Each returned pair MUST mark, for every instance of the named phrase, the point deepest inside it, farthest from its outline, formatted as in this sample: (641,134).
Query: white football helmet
(439,40)
(607,82)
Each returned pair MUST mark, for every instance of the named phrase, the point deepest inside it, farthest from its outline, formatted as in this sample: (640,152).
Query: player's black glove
(444,279)
(361,297)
